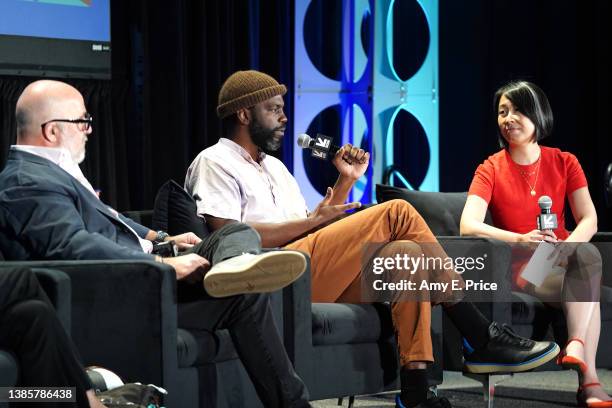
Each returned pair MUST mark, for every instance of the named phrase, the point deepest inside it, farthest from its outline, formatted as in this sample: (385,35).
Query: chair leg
(340,401)
(351,401)
(489,381)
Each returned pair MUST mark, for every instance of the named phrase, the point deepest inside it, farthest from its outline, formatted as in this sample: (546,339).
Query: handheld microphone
(546,220)
(322,147)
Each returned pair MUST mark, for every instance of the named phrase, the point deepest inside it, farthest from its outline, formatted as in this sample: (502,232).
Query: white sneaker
(250,273)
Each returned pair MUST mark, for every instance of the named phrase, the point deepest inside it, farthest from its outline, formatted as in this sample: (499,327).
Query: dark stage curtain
(169,62)
(190,48)
(561,45)
(106,162)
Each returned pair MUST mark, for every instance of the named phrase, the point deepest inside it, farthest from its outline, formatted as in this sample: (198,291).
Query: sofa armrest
(124,316)
(297,319)
(603,242)
(9,370)
(605,236)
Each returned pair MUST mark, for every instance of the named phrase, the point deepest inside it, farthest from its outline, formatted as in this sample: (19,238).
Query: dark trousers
(31,330)
(248,318)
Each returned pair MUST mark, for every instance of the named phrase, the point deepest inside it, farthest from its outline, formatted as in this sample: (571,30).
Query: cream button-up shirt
(227,183)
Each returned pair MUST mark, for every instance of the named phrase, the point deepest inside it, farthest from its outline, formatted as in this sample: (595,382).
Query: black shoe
(433,402)
(507,352)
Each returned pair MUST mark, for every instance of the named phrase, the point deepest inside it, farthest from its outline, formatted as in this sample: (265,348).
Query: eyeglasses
(83,124)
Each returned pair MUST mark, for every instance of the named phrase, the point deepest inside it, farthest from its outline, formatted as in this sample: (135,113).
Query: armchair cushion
(606,303)
(9,369)
(176,212)
(344,323)
(441,211)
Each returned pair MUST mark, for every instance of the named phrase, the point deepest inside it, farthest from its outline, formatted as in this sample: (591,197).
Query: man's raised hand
(351,161)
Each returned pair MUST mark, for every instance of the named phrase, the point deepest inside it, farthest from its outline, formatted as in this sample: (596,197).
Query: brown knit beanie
(244,89)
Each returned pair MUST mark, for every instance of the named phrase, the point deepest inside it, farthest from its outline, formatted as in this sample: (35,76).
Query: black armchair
(56,285)
(124,318)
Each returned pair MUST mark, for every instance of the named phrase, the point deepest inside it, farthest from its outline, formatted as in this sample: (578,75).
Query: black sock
(414,386)
(472,324)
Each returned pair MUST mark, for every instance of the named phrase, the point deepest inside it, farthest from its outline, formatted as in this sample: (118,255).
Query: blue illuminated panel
(405,89)
(362,82)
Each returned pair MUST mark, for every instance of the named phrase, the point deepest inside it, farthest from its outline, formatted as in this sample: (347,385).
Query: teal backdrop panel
(366,73)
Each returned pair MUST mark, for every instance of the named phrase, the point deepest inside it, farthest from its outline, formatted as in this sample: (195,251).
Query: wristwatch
(161,236)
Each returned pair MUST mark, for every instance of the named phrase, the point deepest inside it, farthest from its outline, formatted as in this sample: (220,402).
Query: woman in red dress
(509,184)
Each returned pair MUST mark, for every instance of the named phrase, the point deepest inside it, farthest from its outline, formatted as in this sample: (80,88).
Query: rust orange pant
(337,265)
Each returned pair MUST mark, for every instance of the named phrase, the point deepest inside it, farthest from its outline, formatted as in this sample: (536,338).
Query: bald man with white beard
(43,100)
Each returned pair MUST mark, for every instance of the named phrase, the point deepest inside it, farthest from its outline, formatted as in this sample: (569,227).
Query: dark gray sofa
(527,315)
(339,350)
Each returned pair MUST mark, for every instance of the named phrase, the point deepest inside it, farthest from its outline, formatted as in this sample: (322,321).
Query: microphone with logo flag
(322,147)
(541,263)
(546,220)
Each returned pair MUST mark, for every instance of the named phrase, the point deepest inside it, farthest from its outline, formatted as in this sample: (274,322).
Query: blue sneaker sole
(491,368)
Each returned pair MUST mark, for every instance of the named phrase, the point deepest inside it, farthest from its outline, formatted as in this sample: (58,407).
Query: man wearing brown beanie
(236,179)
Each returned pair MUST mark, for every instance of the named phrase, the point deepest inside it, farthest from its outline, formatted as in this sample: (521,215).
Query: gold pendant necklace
(526,175)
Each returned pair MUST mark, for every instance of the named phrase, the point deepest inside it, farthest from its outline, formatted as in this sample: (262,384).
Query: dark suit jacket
(45,213)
